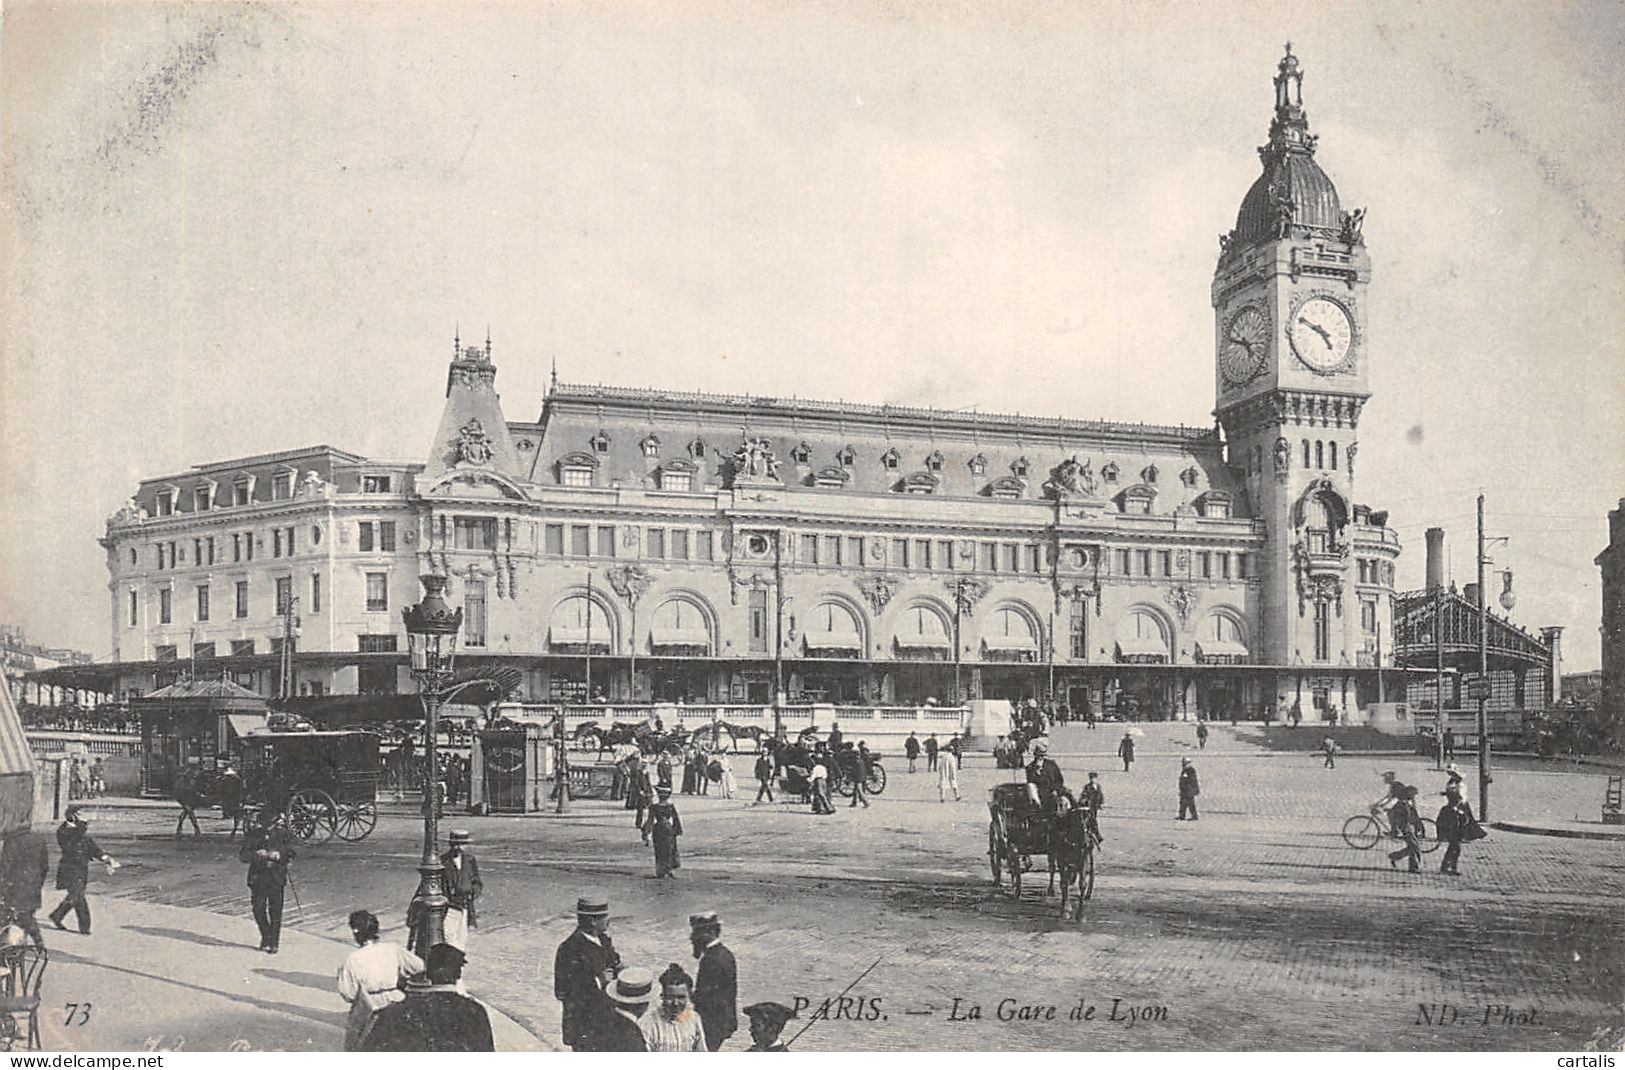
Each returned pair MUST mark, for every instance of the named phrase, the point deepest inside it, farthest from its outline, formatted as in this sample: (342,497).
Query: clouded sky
(233,229)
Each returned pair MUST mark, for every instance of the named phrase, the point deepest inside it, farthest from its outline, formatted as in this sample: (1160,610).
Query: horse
(1072,845)
(753,732)
(197,789)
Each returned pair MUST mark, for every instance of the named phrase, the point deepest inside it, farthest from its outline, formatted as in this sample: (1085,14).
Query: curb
(1567,834)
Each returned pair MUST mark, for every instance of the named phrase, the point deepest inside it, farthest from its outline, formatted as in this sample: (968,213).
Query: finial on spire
(487,342)
(457,342)
(553,381)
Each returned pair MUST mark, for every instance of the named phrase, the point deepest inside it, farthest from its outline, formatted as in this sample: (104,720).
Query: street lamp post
(431,636)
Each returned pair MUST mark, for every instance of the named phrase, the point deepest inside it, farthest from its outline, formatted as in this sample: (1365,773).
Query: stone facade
(698,547)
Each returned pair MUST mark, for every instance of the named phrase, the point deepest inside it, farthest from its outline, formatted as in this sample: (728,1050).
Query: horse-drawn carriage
(326,783)
(795,762)
(1019,828)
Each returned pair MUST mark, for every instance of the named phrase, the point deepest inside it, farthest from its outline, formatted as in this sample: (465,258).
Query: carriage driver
(1045,777)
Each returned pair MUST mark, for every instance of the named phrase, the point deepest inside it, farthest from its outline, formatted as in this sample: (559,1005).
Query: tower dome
(1293,196)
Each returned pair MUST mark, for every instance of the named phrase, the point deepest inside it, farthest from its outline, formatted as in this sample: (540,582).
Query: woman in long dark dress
(664,826)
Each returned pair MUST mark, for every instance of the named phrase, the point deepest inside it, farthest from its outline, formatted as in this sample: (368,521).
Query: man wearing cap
(1456,823)
(1093,798)
(460,876)
(620,1027)
(73,869)
(1045,776)
(766,1024)
(1189,789)
(1125,750)
(268,850)
(716,982)
(585,964)
(434,1016)
(1404,818)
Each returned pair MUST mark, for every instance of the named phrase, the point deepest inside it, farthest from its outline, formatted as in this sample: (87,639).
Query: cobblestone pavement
(1256,927)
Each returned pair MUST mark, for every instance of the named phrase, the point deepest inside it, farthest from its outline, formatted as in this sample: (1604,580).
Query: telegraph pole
(1483,681)
(1438,674)
(778,639)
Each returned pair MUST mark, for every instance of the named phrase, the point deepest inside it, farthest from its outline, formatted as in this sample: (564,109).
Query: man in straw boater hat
(620,1028)
(460,876)
(716,981)
(585,965)
(766,1024)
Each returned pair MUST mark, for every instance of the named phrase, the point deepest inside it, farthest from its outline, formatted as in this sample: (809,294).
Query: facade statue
(129,513)
(753,459)
(473,444)
(1352,222)
(1283,458)
(1073,477)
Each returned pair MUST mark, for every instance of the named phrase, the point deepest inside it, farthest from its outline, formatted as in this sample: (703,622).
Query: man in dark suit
(268,850)
(585,965)
(24,863)
(1045,775)
(716,982)
(460,876)
(627,1000)
(73,869)
(1189,789)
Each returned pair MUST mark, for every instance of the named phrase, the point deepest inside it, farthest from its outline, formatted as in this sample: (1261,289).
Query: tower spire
(1289,129)
(457,342)
(553,380)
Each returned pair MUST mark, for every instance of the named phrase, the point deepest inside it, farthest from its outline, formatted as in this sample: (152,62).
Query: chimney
(1435,537)
(1471,593)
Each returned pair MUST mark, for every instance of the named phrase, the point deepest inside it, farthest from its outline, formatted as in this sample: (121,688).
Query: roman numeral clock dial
(1245,345)
(1321,333)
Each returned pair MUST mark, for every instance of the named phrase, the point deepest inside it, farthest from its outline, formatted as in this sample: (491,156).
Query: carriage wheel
(1013,860)
(587,741)
(1362,832)
(1429,838)
(356,821)
(993,852)
(311,816)
(845,787)
(876,781)
(1086,879)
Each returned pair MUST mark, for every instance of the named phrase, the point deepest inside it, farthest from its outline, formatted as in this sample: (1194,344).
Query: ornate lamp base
(427,913)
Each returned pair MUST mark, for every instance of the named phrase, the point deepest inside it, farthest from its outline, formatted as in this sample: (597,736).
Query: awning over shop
(925,641)
(1142,648)
(244,723)
(683,637)
(1010,642)
(568,635)
(1221,651)
(842,640)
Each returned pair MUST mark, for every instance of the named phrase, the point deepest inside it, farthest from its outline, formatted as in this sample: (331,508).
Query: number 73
(78,1013)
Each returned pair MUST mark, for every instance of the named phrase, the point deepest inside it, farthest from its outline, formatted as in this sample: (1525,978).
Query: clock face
(1321,333)
(1244,346)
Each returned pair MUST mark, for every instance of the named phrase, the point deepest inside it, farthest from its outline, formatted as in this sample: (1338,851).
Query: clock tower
(1290,344)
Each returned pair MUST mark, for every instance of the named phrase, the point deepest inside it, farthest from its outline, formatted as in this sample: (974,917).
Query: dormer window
(677,474)
(203,497)
(696,449)
(1149,474)
(242,490)
(846,456)
(801,453)
(1190,475)
(375,484)
(832,478)
(1136,499)
(977,465)
(933,461)
(1006,487)
(577,469)
(1020,467)
(600,442)
(166,501)
(891,459)
(1215,505)
(650,447)
(918,483)
(282,485)
(1108,472)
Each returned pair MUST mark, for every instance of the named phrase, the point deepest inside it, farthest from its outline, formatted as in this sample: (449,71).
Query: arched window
(1009,635)
(922,633)
(831,629)
(577,625)
(1333,447)
(680,625)
(1320,454)
(1142,639)
(1306,453)
(1221,641)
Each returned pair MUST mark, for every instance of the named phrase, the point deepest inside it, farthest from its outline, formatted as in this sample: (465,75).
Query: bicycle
(1364,831)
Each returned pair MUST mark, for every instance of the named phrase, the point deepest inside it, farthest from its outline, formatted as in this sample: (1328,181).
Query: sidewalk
(162,978)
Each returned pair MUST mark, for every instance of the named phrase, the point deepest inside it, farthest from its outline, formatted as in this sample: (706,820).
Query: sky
(231,229)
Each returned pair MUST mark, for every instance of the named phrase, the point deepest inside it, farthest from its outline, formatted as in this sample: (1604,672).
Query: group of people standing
(612,1007)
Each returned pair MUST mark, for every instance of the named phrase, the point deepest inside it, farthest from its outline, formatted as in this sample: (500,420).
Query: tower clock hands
(1318,329)
(1244,343)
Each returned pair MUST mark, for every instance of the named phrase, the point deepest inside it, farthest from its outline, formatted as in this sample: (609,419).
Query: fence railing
(872,718)
(53,741)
